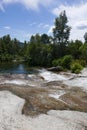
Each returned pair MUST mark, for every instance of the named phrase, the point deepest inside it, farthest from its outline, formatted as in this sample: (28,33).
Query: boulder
(57,68)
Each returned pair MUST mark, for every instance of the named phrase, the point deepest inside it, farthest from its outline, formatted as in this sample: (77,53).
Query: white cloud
(46,26)
(77,16)
(7,27)
(29,4)
(81,25)
(43,25)
(50,29)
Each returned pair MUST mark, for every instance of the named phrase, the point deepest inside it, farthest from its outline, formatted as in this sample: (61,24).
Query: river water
(17,68)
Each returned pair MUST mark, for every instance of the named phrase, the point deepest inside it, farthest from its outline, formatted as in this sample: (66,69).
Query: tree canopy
(61,30)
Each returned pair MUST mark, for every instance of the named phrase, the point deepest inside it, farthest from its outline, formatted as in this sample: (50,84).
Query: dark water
(17,68)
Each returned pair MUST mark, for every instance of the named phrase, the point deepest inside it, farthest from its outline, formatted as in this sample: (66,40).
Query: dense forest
(47,51)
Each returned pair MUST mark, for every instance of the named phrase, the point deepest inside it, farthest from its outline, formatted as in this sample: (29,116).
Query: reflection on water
(17,68)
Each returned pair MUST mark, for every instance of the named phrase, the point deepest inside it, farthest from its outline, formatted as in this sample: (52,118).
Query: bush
(81,62)
(66,61)
(57,62)
(76,67)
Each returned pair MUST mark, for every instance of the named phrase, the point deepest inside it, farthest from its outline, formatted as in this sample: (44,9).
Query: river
(17,68)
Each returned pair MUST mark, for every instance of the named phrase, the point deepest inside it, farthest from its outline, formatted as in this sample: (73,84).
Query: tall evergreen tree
(61,30)
(61,33)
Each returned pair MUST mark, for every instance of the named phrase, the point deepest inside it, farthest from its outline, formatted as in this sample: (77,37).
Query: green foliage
(57,62)
(81,62)
(9,48)
(45,39)
(35,39)
(66,61)
(61,30)
(76,67)
(83,50)
(74,48)
(39,54)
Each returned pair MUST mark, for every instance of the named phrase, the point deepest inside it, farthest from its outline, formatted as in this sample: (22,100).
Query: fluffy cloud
(77,16)
(29,4)
(81,25)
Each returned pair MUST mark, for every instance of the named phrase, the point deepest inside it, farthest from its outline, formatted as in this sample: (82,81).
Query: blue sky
(23,18)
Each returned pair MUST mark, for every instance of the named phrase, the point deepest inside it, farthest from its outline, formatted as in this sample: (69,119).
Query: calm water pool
(17,68)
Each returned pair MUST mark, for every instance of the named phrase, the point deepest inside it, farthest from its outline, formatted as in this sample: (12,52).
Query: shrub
(66,61)
(57,62)
(76,67)
(81,62)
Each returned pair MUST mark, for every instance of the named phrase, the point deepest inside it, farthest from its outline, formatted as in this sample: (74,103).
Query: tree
(16,46)
(85,37)
(83,50)
(38,38)
(32,39)
(6,39)
(61,30)
(61,33)
(45,39)
(74,48)
(35,38)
